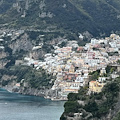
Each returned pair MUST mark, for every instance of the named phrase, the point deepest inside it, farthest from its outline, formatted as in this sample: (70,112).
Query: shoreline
(36,92)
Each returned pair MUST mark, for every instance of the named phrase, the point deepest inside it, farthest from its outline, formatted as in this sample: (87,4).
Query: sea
(15,106)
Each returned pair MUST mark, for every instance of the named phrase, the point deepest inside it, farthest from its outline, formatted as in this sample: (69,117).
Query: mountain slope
(95,16)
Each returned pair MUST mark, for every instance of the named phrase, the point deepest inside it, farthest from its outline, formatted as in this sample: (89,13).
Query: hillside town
(72,64)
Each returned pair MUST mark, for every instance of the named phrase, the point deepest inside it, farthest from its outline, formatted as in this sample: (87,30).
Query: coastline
(33,92)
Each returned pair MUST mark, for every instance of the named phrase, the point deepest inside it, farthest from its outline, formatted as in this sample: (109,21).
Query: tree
(72,96)
(71,106)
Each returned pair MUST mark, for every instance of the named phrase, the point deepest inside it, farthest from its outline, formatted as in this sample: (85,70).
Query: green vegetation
(6,5)
(118,61)
(46,36)
(113,54)
(68,16)
(110,69)
(95,75)
(71,106)
(97,104)
(72,100)
(35,78)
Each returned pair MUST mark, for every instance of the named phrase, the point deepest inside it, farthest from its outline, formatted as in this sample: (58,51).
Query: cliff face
(22,43)
(26,80)
(3,63)
(37,54)
(3,54)
(11,85)
(26,89)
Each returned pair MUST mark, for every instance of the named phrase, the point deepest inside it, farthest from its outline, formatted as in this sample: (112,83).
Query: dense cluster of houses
(72,66)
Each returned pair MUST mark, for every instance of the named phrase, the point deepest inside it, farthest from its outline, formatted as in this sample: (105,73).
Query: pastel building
(95,86)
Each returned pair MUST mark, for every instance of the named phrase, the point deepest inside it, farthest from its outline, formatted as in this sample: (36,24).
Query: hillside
(70,16)
(94,106)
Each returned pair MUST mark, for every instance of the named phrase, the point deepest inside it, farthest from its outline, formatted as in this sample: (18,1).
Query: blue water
(20,107)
